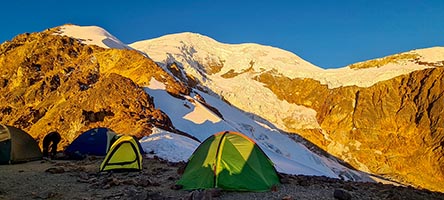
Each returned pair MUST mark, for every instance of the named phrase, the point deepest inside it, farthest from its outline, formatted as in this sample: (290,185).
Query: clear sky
(327,33)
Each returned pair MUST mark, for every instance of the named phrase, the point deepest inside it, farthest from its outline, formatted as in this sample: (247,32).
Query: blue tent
(95,141)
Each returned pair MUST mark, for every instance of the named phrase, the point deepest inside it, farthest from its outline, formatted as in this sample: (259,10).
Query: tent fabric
(124,155)
(96,141)
(231,161)
(17,146)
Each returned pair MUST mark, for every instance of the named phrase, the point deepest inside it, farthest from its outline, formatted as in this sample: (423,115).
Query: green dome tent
(230,161)
(17,146)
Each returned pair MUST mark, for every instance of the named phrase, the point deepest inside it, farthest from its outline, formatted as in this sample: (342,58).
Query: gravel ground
(61,179)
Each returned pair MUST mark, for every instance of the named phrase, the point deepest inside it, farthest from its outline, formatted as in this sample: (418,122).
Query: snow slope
(169,146)
(193,117)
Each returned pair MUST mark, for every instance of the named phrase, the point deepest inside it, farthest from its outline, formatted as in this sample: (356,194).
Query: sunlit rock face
(56,83)
(393,128)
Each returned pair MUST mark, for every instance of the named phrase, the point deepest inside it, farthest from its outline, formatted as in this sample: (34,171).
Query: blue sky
(329,34)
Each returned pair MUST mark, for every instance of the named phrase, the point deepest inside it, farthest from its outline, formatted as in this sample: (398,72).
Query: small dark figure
(50,143)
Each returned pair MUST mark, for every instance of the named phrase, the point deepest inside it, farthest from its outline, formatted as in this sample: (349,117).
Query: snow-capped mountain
(340,110)
(227,69)
(191,116)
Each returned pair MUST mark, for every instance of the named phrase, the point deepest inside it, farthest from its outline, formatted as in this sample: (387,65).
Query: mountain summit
(184,48)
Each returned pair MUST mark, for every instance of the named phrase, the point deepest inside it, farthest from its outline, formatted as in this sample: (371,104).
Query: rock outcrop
(55,83)
(394,128)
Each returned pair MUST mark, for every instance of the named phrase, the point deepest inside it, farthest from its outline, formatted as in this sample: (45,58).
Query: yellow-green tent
(123,155)
(230,161)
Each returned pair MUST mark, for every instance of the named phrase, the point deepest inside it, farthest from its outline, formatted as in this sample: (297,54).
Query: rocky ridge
(56,83)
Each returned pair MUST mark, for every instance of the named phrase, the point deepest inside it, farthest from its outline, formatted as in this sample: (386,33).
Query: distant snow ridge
(367,77)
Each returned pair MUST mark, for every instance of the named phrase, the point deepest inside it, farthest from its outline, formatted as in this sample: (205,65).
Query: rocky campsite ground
(62,179)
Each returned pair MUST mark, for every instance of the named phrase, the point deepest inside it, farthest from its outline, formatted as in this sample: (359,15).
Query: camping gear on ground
(17,146)
(230,161)
(124,155)
(96,141)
